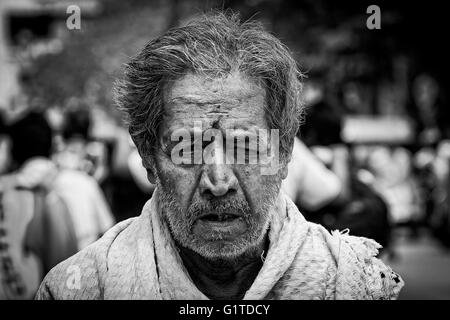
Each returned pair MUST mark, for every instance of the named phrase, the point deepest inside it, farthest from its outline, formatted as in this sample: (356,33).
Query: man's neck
(224,279)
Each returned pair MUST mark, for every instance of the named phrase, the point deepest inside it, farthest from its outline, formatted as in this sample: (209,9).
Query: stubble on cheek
(180,182)
(177,187)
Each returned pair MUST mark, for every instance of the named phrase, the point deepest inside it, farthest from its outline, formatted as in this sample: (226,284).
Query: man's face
(217,209)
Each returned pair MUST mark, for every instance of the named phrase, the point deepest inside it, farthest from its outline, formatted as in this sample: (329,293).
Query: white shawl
(137,259)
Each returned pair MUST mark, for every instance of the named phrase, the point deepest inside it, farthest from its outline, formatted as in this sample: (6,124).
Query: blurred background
(377,120)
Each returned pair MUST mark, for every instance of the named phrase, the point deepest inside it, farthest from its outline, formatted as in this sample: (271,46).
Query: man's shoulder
(81,275)
(360,270)
(351,265)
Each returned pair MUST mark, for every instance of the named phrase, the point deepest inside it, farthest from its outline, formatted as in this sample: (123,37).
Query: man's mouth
(228,225)
(223,217)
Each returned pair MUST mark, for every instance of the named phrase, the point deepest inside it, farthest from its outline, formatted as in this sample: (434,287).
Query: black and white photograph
(224,150)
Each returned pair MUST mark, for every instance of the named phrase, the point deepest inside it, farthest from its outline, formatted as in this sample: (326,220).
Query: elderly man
(216,228)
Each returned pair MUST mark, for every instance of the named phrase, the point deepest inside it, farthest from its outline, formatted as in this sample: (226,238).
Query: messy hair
(213,45)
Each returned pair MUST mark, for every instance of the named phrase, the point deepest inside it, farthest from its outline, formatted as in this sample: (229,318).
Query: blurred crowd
(62,188)
(389,181)
(69,171)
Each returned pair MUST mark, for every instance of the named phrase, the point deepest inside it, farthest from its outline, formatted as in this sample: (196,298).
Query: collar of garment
(159,269)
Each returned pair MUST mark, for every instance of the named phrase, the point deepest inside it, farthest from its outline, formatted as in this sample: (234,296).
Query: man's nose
(218,179)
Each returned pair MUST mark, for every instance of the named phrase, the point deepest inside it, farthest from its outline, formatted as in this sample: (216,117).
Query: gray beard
(180,222)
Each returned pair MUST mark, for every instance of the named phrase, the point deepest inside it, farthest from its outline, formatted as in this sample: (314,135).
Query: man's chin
(225,233)
(225,249)
(220,250)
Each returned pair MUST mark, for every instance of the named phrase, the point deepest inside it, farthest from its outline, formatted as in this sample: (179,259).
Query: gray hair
(214,45)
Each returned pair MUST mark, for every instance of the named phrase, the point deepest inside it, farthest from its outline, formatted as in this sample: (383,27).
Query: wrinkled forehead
(230,102)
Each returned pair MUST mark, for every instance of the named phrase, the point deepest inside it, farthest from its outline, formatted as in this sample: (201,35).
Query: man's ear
(150,173)
(284,170)
(285,163)
(151,176)
(146,160)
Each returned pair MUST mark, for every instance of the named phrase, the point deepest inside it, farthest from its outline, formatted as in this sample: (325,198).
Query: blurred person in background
(78,151)
(440,220)
(309,182)
(36,228)
(432,158)
(327,190)
(428,110)
(85,200)
(21,269)
(394,180)
(434,169)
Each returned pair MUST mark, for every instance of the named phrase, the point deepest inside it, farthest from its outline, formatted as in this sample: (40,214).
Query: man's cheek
(261,186)
(177,179)
(250,176)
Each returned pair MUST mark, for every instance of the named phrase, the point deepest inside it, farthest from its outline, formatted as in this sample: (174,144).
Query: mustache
(231,206)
